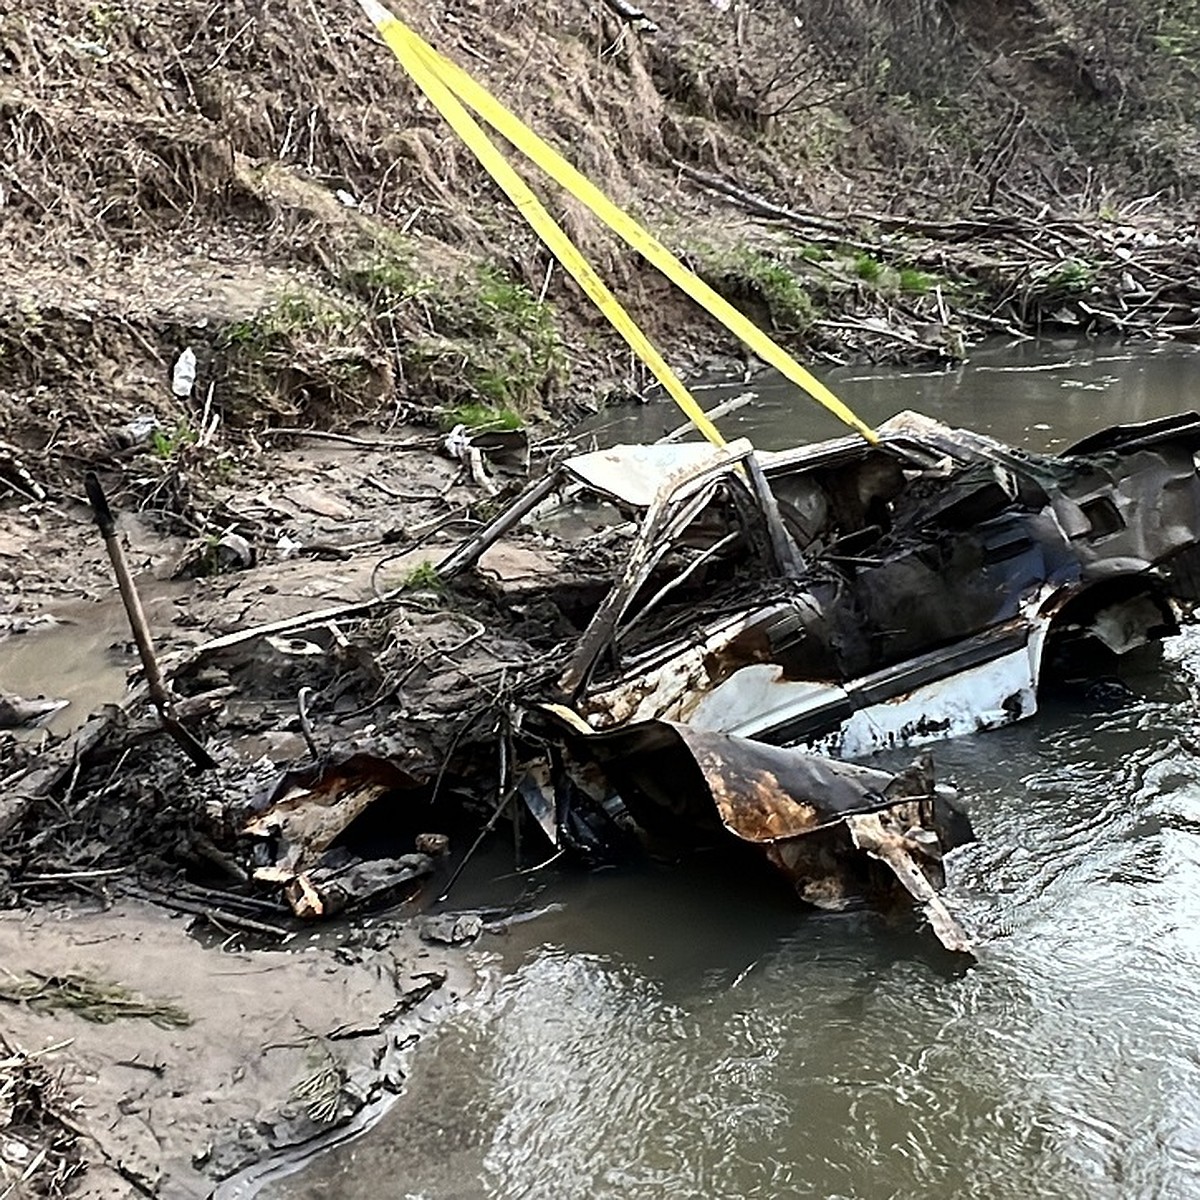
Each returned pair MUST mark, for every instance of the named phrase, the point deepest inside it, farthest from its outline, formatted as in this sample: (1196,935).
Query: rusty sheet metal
(885,838)
(820,821)
(766,793)
(665,772)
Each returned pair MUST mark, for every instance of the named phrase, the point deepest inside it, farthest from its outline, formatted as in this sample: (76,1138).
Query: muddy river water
(688,1032)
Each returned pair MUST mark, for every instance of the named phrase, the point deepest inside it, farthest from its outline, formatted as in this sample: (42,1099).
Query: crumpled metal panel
(817,819)
(762,793)
(634,475)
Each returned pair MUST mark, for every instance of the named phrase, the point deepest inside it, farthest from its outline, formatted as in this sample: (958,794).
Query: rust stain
(754,804)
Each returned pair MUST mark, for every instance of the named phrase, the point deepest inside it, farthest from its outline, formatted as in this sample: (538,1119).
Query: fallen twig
(219,917)
(348,439)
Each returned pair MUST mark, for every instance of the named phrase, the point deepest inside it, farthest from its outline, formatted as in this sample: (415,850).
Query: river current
(679,1032)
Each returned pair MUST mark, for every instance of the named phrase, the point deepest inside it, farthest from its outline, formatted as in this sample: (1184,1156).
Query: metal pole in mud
(137,623)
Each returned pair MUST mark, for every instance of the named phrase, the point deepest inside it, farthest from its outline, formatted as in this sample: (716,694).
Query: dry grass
(163,162)
(39,1154)
(91,999)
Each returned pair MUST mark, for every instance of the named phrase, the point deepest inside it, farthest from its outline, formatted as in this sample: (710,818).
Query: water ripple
(679,1038)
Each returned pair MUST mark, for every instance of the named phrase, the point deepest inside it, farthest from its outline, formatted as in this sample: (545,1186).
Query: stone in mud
(17,712)
(451,929)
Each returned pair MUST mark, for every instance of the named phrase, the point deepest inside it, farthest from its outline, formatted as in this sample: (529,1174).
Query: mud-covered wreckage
(774,615)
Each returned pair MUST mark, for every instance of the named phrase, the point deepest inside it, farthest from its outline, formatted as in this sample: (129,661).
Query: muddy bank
(273,194)
(231,1057)
(98,808)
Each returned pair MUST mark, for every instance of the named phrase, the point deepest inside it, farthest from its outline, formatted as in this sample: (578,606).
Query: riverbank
(259,186)
(101,817)
(179,1061)
(123,823)
(273,194)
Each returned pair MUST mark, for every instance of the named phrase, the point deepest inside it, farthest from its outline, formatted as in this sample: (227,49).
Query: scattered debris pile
(38,1149)
(297,838)
(1042,270)
(659,647)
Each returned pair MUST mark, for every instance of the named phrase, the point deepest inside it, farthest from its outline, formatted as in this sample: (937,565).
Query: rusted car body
(913,595)
(844,598)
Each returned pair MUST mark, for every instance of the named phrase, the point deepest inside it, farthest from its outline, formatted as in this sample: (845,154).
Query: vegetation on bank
(863,179)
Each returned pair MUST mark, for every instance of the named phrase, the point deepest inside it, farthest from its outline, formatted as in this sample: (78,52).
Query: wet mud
(264,1051)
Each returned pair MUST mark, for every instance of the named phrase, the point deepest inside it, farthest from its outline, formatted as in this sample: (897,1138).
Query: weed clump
(868,269)
(492,348)
(423,577)
(90,999)
(167,444)
(384,272)
(742,273)
(480,417)
(306,351)
(914,282)
(1070,277)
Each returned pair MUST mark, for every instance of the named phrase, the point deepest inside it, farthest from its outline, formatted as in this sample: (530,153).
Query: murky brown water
(1041,395)
(681,1033)
(83,660)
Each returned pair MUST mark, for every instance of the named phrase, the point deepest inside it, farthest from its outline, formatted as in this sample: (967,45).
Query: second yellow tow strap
(449,88)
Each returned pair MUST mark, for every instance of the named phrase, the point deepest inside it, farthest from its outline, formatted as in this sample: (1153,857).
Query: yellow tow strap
(412,55)
(449,88)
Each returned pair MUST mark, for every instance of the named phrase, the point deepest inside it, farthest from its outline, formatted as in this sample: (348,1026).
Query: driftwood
(714,414)
(1013,272)
(140,628)
(346,439)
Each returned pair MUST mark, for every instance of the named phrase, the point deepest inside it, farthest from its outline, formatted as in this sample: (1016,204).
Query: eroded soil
(273,1048)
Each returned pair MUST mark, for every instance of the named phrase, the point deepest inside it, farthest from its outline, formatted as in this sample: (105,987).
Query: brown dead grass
(39,1155)
(170,169)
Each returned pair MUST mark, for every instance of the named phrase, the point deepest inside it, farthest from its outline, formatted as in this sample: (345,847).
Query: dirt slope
(259,180)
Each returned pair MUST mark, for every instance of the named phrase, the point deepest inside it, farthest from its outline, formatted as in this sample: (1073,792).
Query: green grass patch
(423,578)
(744,273)
(384,271)
(868,269)
(293,315)
(915,282)
(1069,277)
(494,349)
(480,417)
(307,350)
(167,445)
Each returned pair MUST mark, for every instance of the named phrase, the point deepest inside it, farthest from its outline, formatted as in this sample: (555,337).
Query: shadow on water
(682,1033)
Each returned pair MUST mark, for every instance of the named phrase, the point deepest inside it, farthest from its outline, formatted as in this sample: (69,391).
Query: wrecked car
(854,597)
(839,599)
